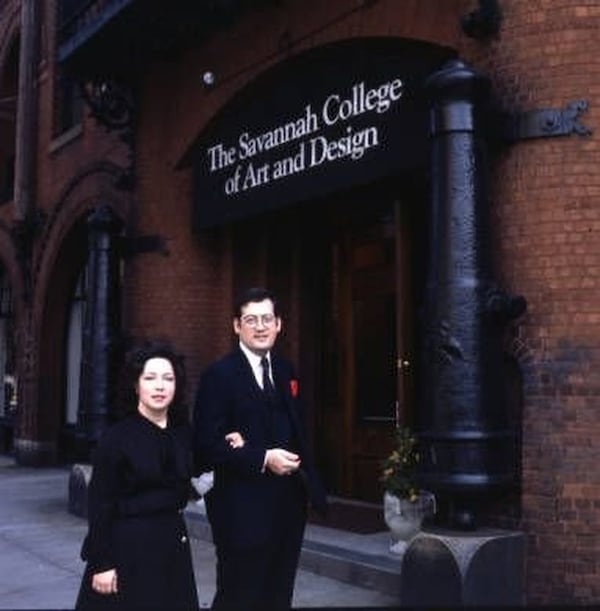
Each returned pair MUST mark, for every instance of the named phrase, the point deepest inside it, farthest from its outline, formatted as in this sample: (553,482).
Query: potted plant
(405,505)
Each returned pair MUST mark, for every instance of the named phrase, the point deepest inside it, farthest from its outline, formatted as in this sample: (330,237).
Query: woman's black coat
(139,488)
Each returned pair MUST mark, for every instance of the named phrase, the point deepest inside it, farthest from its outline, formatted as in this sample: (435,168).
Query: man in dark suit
(258,505)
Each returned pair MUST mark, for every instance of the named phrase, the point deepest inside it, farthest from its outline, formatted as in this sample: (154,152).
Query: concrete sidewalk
(40,541)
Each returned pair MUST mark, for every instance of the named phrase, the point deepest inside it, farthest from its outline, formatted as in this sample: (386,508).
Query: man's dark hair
(254,295)
(135,360)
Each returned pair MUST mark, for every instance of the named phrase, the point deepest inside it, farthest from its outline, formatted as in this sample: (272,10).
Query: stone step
(364,560)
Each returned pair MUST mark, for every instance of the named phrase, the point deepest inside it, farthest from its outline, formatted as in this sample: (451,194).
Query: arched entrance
(320,169)
(80,328)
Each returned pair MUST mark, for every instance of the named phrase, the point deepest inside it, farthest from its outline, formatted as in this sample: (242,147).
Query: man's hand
(281,462)
(105,582)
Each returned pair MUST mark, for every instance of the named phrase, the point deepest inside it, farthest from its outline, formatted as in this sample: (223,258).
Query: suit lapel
(246,375)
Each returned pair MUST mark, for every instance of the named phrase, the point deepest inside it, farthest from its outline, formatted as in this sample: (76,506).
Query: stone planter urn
(404,517)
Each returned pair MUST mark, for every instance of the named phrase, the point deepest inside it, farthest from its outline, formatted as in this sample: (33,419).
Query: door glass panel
(375,354)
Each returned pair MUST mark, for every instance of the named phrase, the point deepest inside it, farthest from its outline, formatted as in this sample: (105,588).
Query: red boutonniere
(294,388)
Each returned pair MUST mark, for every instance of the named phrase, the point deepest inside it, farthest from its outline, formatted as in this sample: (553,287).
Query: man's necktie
(266,378)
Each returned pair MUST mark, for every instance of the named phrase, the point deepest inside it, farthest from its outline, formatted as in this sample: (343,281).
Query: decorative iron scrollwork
(544,123)
(112,104)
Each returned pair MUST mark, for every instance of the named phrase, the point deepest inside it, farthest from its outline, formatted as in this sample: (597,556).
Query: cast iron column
(101,324)
(467,439)
(26,141)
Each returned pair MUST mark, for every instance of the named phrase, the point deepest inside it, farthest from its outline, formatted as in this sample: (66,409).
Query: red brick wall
(547,218)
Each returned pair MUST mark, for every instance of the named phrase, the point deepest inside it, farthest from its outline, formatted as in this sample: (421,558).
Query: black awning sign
(327,119)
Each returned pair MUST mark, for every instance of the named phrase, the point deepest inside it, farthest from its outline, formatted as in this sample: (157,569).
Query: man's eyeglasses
(252,321)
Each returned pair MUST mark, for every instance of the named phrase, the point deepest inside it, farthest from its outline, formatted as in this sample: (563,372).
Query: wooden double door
(344,274)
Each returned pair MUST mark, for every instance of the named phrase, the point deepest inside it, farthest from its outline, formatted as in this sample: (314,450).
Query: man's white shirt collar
(254,360)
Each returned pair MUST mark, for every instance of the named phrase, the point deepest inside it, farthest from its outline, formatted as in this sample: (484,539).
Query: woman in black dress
(137,548)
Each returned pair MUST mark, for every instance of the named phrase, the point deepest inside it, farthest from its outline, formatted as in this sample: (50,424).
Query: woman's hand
(105,582)
(235,439)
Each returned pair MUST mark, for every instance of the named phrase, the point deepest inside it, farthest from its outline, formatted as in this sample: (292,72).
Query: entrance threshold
(359,559)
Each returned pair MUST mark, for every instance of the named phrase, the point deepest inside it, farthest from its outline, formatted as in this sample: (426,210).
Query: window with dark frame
(68,104)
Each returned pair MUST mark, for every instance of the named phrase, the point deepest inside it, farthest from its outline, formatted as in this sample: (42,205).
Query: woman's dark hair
(254,295)
(135,360)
